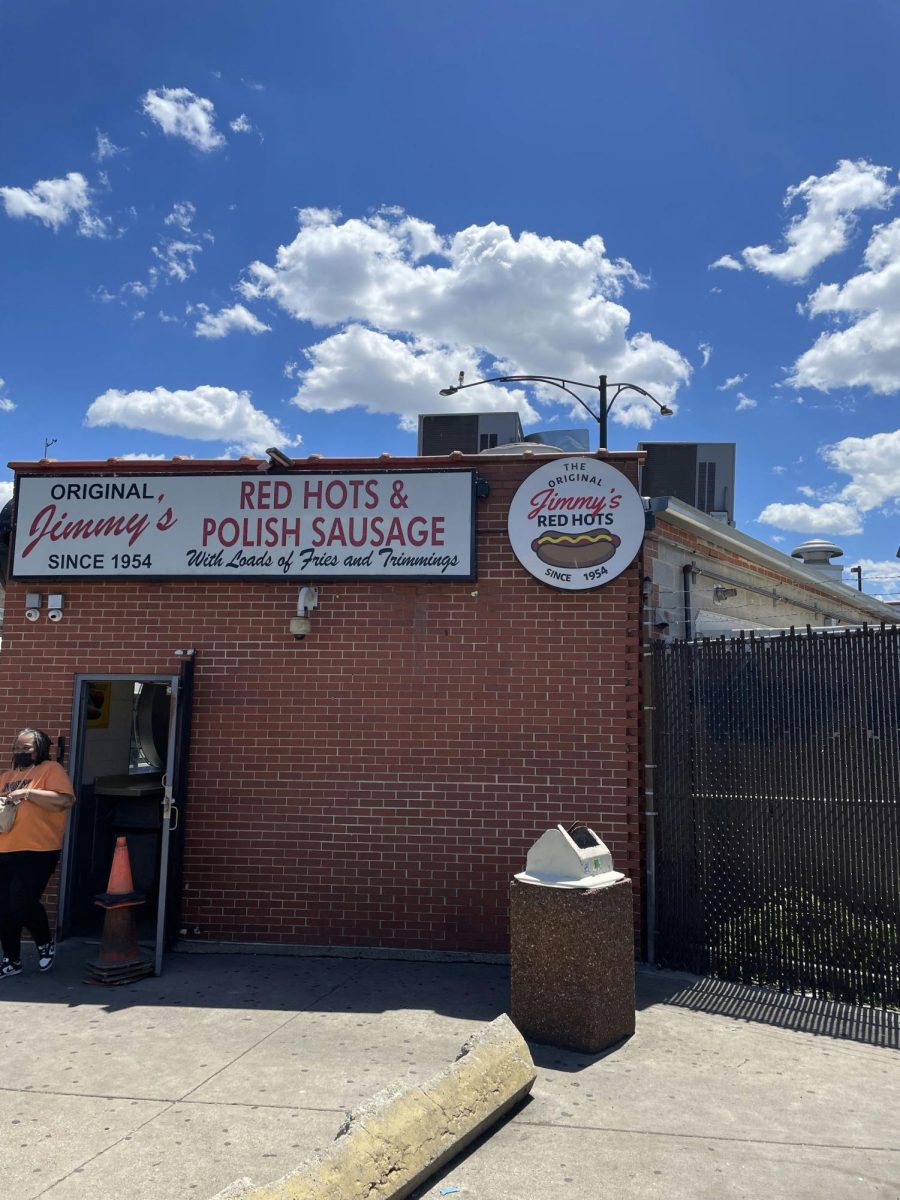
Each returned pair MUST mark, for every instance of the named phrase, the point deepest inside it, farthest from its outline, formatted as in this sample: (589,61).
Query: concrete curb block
(399,1138)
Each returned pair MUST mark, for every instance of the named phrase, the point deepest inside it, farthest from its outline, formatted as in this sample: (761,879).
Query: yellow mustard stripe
(572,538)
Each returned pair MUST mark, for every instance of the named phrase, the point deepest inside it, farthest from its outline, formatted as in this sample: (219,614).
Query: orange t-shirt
(35,828)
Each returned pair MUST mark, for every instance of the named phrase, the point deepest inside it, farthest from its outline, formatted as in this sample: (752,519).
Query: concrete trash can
(572,944)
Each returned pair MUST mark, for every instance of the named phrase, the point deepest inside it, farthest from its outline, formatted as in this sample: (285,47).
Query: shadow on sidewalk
(465,991)
(281,983)
(782,1010)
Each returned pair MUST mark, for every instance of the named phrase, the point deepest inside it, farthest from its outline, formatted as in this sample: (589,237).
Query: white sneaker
(8,968)
(46,955)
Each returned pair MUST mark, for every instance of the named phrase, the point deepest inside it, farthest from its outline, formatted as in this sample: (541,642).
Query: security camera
(54,614)
(299,627)
(32,614)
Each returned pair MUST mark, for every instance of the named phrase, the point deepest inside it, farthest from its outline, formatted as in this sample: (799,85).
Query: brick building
(374,784)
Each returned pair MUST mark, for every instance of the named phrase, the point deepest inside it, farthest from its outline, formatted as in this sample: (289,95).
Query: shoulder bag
(8,810)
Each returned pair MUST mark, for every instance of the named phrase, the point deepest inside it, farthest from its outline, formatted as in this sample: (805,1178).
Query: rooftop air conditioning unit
(472,433)
(697,473)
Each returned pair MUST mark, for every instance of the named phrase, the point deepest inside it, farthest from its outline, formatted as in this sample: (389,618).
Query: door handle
(173,808)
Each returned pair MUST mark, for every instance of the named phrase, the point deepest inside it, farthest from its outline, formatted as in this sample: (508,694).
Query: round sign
(576,523)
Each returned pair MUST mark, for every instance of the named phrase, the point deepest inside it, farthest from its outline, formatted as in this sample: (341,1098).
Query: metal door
(165,910)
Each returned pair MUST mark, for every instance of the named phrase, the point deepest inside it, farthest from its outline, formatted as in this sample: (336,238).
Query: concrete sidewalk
(242,1065)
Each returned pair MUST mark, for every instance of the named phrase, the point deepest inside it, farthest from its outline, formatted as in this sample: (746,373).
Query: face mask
(23,758)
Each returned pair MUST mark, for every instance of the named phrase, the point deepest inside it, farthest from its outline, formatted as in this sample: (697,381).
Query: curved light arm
(558,382)
(664,410)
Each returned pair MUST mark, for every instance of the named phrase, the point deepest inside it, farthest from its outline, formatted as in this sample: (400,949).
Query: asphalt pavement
(240,1065)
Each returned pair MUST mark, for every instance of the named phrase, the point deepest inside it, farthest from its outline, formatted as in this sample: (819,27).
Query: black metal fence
(777,786)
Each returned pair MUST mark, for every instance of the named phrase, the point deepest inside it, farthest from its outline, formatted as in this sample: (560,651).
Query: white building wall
(730,592)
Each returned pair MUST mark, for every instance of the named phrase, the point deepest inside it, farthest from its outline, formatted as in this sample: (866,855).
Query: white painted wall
(106,750)
(713,617)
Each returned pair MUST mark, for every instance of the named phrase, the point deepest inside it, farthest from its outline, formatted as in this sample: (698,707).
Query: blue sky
(224,226)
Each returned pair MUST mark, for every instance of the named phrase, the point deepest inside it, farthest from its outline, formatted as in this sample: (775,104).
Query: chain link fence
(777,786)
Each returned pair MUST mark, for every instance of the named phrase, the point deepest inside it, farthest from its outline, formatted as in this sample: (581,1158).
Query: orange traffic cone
(120,958)
(120,891)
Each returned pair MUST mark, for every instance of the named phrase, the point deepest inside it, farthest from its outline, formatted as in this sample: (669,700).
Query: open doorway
(129,752)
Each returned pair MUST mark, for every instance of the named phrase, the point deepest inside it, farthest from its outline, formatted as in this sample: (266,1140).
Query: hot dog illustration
(588,549)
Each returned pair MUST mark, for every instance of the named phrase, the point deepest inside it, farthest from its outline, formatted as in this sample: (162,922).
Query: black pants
(23,876)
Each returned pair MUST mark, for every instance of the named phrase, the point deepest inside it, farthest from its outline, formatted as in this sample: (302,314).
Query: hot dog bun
(588,549)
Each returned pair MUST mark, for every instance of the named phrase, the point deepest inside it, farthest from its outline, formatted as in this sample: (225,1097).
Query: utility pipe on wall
(687,571)
(647,695)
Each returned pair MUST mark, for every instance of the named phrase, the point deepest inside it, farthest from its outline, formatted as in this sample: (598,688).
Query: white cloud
(825,228)
(206,413)
(727,262)
(831,517)
(179,113)
(361,367)
(6,491)
(731,382)
(878,571)
(412,300)
(177,258)
(105,148)
(706,350)
(867,353)
(779,470)
(874,465)
(134,287)
(744,403)
(229,320)
(241,124)
(55,202)
(6,405)
(182,215)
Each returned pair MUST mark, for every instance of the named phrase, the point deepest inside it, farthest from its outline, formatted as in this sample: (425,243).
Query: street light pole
(601,417)
(604,413)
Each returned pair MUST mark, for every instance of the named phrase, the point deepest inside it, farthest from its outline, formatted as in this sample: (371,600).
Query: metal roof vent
(816,555)
(522,448)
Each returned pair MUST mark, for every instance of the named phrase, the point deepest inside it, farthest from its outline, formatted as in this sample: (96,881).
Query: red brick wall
(380,782)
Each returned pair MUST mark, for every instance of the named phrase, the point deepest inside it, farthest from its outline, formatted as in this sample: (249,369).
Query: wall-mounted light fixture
(277,458)
(720,594)
(307,600)
(33,606)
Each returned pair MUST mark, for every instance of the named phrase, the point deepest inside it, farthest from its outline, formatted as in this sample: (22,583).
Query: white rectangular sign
(349,525)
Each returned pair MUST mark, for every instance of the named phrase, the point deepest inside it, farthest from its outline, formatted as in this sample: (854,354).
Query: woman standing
(29,852)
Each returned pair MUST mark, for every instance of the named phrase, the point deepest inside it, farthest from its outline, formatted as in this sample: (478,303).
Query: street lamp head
(449,391)
(665,411)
